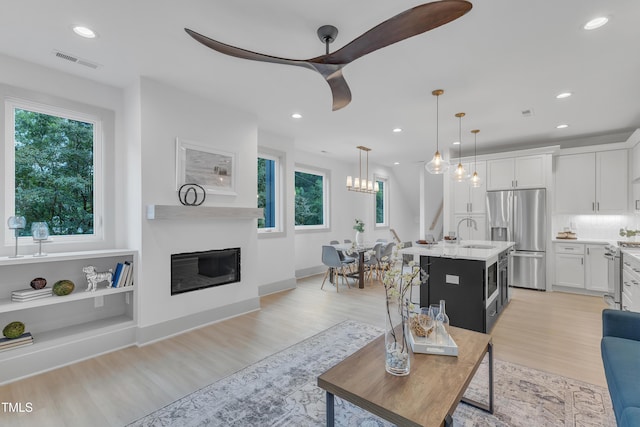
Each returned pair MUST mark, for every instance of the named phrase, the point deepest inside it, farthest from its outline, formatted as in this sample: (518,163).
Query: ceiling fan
(409,23)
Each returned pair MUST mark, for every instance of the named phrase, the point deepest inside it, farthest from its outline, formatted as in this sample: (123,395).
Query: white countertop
(585,241)
(458,250)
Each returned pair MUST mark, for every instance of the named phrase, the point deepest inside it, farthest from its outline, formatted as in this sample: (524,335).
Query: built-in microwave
(491,286)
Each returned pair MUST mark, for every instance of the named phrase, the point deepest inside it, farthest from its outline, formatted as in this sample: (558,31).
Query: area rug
(281,390)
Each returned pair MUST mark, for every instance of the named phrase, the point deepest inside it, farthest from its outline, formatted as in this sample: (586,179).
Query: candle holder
(40,233)
(16,223)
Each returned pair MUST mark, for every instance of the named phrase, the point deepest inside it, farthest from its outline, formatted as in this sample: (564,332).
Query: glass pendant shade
(475,178)
(437,165)
(460,174)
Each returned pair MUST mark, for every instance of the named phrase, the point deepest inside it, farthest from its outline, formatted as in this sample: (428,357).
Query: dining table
(351,249)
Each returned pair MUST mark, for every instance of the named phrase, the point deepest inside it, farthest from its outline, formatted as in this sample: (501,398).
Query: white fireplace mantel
(201,212)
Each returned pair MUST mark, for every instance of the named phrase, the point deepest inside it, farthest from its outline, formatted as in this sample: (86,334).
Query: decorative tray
(420,345)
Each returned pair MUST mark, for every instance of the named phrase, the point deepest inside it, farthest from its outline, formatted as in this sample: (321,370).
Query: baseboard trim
(311,271)
(272,288)
(149,334)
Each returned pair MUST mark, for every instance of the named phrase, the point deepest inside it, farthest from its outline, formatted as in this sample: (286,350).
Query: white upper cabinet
(516,172)
(635,158)
(612,181)
(468,199)
(592,183)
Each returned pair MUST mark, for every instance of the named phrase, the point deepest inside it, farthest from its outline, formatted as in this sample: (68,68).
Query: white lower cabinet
(581,266)
(570,270)
(630,283)
(596,266)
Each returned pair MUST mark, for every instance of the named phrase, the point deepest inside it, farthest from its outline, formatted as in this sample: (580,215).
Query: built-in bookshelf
(71,327)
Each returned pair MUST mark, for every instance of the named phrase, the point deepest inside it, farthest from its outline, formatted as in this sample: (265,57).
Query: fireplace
(199,270)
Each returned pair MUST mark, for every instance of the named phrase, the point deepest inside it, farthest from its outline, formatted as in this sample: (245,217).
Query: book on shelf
(30,292)
(23,295)
(24,299)
(129,278)
(24,337)
(22,340)
(116,275)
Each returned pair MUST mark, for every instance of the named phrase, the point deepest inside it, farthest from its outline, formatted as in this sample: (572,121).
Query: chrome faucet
(468,218)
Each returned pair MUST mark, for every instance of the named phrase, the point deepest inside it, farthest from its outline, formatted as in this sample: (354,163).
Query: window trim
(280,212)
(10,105)
(326,178)
(385,202)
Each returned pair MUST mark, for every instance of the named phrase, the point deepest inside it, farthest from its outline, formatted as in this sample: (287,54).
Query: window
(382,203)
(269,184)
(311,204)
(51,169)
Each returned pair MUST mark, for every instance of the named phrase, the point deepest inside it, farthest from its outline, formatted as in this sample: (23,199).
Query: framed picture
(213,169)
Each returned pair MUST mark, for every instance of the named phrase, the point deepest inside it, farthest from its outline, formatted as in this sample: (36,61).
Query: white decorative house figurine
(93,277)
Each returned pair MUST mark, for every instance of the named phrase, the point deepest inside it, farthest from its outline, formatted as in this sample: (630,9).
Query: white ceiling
(503,57)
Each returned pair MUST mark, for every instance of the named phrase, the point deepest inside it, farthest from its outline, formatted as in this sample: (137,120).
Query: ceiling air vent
(65,56)
(75,59)
(527,113)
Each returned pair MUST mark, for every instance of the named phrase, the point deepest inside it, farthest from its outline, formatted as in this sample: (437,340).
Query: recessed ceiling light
(397,130)
(563,95)
(85,32)
(562,126)
(596,23)
(296,115)
(456,143)
(396,163)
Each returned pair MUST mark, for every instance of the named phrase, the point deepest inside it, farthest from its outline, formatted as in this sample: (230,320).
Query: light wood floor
(555,332)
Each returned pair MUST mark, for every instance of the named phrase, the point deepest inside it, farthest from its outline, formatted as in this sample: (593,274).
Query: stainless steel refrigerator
(520,216)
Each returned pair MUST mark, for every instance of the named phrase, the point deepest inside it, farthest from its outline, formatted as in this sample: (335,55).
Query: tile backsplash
(605,227)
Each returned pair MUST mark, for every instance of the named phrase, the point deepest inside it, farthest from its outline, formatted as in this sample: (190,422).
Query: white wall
(168,113)
(277,252)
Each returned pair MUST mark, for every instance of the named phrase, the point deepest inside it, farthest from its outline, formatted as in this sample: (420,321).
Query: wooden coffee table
(428,396)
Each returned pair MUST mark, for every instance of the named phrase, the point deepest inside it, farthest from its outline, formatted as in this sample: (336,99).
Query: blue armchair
(620,347)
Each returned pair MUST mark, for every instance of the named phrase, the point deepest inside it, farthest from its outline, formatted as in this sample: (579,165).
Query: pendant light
(437,165)
(459,173)
(359,183)
(475,178)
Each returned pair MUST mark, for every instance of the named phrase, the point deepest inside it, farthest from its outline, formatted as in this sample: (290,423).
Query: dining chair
(335,266)
(372,262)
(348,241)
(385,257)
(343,256)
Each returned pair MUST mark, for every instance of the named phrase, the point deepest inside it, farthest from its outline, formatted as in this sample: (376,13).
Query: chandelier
(359,183)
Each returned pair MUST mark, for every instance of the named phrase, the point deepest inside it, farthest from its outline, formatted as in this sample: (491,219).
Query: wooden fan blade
(402,26)
(243,53)
(339,89)
(331,73)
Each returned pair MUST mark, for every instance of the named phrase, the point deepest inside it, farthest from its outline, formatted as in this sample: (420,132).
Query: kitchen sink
(477,246)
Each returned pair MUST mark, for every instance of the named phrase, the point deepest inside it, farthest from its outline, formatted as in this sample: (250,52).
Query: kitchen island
(472,276)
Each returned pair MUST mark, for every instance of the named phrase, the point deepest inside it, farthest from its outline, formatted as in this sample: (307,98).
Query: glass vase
(442,325)
(359,239)
(397,360)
